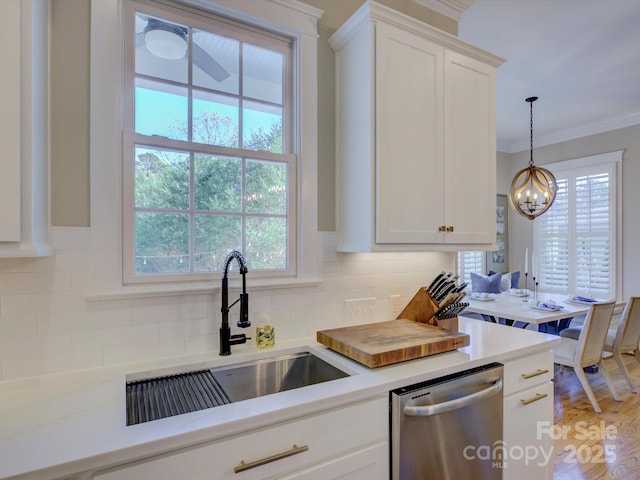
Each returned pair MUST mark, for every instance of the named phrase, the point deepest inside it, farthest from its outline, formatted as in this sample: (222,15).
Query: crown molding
(608,125)
(449,8)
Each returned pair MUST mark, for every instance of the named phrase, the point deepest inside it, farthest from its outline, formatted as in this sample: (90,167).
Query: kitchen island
(74,425)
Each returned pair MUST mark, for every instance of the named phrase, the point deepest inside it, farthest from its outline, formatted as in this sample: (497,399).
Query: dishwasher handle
(427,410)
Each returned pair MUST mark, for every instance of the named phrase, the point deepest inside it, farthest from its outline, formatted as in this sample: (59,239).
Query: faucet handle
(244,321)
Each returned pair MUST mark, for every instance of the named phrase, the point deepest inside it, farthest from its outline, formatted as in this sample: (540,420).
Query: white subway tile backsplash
(171,309)
(13,368)
(18,326)
(47,325)
(34,345)
(110,337)
(83,320)
(140,352)
(37,282)
(188,328)
(202,344)
(30,304)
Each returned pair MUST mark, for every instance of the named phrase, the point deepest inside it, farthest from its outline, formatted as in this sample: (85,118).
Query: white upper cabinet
(415,140)
(24,129)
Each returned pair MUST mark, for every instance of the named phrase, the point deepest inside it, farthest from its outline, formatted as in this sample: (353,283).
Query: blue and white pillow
(486,283)
(509,280)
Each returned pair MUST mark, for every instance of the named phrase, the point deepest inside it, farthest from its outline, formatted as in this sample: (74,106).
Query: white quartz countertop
(58,426)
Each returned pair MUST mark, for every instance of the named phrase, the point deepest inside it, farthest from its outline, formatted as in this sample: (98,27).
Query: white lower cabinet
(528,418)
(350,442)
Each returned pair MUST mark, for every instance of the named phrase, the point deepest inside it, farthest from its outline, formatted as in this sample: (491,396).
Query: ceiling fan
(169,41)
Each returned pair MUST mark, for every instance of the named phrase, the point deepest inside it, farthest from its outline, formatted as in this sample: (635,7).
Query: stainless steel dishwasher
(449,428)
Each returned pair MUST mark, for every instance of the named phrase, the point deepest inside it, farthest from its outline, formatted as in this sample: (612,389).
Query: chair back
(628,333)
(594,333)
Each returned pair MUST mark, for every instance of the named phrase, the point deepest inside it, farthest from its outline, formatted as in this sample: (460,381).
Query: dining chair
(587,349)
(623,339)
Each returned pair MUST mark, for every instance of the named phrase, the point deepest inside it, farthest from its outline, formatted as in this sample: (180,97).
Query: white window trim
(288,17)
(614,157)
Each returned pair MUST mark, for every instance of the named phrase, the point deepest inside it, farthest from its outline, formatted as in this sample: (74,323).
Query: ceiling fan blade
(140,40)
(204,61)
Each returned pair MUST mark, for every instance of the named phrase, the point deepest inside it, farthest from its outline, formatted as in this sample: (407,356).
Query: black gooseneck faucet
(226,339)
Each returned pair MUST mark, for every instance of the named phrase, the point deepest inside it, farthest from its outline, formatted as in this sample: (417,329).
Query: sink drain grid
(155,398)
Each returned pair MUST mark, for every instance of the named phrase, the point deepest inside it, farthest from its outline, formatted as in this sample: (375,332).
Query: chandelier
(533,189)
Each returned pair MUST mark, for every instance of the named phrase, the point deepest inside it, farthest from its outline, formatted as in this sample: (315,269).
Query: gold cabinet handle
(442,228)
(272,458)
(450,228)
(539,396)
(534,374)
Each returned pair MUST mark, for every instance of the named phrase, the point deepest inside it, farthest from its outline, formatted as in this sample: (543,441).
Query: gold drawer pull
(539,396)
(534,374)
(442,228)
(450,228)
(272,458)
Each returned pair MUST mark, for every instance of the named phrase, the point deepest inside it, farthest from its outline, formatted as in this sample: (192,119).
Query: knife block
(422,308)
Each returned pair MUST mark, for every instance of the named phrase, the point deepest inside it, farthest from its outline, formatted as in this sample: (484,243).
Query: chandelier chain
(531,100)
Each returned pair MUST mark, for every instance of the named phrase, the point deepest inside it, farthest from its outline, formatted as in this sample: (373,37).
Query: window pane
(262,73)
(215,119)
(216,62)
(161,49)
(161,179)
(266,187)
(161,243)
(218,183)
(266,243)
(215,237)
(262,127)
(160,109)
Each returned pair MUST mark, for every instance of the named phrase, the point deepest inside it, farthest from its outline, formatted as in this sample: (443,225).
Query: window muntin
(212,166)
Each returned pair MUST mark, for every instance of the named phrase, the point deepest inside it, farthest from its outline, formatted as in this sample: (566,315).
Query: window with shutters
(471,262)
(576,241)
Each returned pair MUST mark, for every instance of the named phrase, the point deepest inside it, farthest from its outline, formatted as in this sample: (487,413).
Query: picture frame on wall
(498,260)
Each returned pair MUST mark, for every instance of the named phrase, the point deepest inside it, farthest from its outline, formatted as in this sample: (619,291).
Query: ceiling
(580,57)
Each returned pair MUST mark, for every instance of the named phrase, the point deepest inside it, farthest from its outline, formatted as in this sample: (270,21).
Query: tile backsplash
(47,325)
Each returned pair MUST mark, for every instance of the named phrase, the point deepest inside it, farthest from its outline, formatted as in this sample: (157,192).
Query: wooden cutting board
(385,343)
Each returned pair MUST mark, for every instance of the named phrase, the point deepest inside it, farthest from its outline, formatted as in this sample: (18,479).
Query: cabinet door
(470,150)
(528,416)
(368,464)
(409,136)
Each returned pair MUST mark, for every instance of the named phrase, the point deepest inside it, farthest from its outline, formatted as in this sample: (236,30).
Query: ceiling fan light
(167,43)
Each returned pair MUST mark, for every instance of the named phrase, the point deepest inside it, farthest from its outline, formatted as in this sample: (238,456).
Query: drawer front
(291,445)
(528,441)
(526,372)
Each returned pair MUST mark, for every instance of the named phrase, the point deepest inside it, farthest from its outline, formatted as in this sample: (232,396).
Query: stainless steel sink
(165,396)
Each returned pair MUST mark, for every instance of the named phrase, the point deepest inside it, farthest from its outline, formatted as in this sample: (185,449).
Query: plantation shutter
(575,239)
(470,262)
(594,232)
(553,242)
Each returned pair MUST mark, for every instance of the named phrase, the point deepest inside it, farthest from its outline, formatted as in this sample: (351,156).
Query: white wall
(47,326)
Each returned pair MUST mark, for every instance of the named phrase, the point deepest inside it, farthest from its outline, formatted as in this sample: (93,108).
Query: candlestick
(526,261)
(533,265)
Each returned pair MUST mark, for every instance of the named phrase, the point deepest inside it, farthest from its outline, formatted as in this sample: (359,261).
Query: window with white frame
(576,240)
(471,261)
(208,152)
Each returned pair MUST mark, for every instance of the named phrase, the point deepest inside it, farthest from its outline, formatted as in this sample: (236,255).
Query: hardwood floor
(596,446)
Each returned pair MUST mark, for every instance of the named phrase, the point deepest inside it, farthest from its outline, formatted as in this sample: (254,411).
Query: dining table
(525,308)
